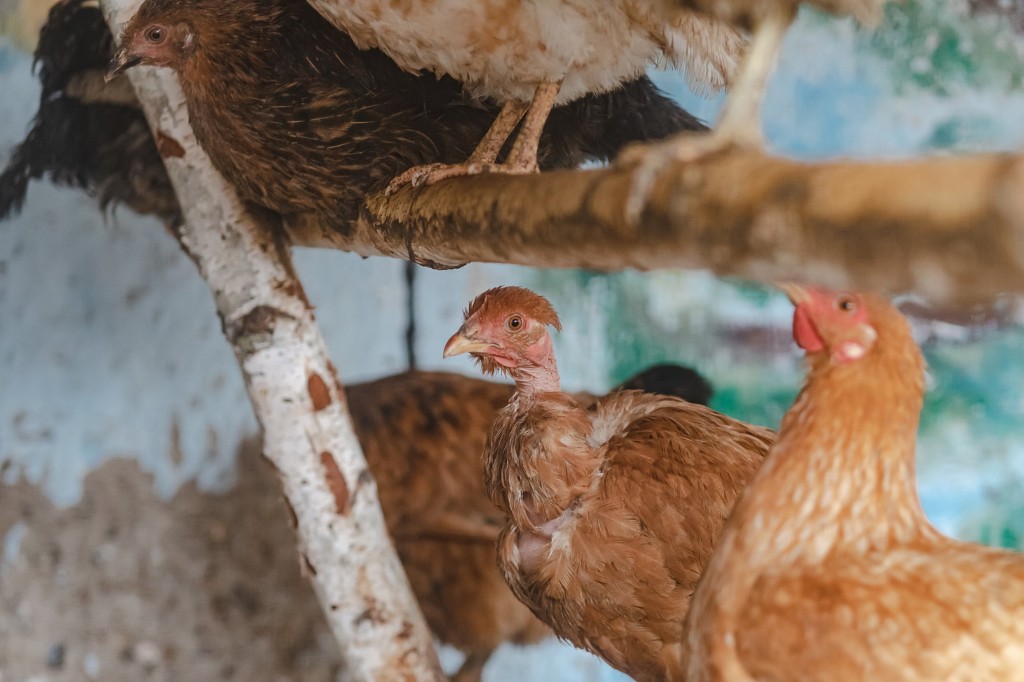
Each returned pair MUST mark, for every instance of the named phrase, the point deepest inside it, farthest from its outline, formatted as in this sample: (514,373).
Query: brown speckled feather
(614,513)
(423,434)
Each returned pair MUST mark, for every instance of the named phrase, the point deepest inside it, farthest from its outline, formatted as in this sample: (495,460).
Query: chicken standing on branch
(423,434)
(828,568)
(87,134)
(740,122)
(299,120)
(529,56)
(613,512)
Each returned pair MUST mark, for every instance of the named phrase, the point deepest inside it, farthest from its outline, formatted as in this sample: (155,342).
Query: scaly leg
(521,159)
(739,124)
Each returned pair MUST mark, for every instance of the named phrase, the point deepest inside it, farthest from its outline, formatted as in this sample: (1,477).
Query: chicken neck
(539,374)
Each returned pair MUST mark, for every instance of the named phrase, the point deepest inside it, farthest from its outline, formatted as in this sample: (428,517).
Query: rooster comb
(514,299)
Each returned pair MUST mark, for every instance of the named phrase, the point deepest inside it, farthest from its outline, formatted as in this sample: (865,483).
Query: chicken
(740,123)
(93,135)
(87,134)
(299,120)
(529,56)
(828,568)
(423,434)
(612,513)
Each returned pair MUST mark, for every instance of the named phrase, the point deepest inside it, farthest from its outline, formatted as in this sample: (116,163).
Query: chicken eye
(514,323)
(155,34)
(846,304)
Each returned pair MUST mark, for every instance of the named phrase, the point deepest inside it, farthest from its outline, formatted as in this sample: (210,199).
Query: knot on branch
(255,329)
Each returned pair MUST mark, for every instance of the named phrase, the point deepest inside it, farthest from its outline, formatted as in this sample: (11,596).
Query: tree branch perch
(951,229)
(297,398)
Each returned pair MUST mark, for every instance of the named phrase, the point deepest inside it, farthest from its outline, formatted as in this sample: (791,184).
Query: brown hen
(828,568)
(612,513)
(423,434)
(301,121)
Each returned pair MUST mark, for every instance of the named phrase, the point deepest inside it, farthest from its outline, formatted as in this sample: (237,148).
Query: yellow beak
(796,293)
(119,64)
(460,343)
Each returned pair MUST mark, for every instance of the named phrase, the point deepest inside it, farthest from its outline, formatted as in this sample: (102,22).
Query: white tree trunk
(308,436)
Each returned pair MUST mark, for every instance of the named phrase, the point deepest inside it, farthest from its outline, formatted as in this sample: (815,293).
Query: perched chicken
(769,19)
(530,56)
(828,568)
(300,120)
(87,134)
(740,121)
(423,434)
(612,512)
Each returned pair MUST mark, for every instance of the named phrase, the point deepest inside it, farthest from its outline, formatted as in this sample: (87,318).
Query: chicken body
(423,434)
(300,120)
(828,568)
(504,49)
(612,512)
(530,56)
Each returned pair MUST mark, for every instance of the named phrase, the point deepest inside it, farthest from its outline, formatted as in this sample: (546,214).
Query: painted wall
(109,346)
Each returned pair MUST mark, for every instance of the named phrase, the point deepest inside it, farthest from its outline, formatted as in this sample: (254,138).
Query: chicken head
(838,324)
(506,330)
(154,37)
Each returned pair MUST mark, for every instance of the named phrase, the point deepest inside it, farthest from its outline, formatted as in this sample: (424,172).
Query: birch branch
(297,398)
(951,229)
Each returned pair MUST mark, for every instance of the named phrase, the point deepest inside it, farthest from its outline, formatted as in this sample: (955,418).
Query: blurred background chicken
(828,568)
(300,120)
(612,512)
(740,121)
(769,21)
(86,134)
(531,56)
(423,434)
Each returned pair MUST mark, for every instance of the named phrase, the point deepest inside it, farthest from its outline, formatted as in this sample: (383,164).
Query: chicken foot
(739,125)
(522,159)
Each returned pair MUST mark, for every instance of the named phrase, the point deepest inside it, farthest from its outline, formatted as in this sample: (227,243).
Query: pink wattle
(804,333)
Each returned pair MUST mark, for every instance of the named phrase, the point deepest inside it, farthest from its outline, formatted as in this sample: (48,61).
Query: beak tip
(459,343)
(797,293)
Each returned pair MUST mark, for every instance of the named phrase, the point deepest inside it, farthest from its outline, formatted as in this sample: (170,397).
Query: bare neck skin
(539,374)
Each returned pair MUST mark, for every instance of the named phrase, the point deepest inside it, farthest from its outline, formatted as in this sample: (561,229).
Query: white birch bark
(343,541)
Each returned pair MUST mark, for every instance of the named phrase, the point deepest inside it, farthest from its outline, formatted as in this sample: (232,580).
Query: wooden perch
(951,229)
(298,400)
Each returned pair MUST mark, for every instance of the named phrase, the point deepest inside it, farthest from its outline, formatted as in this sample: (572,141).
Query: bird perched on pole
(612,512)
(828,569)
(768,22)
(300,120)
(739,124)
(530,56)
